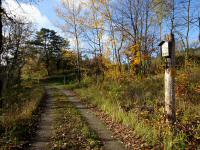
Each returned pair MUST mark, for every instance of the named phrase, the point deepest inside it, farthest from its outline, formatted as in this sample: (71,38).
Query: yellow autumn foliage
(103,1)
(98,23)
(134,53)
(68,54)
(136,61)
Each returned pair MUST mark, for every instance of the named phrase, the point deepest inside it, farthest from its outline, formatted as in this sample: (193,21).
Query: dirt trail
(46,130)
(110,143)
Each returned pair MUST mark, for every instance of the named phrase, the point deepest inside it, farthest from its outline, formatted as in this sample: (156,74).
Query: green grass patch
(111,106)
(139,104)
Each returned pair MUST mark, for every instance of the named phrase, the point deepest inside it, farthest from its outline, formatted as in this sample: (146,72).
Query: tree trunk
(1,34)
(1,49)
(187,36)
(78,57)
(145,38)
(199,29)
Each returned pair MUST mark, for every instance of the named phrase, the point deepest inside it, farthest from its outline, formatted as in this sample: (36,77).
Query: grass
(19,115)
(72,131)
(109,105)
(139,104)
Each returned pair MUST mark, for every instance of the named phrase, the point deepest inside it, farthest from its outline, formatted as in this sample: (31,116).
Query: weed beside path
(20,115)
(107,136)
(139,106)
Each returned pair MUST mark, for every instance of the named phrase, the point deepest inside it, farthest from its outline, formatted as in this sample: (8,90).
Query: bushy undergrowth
(139,103)
(19,114)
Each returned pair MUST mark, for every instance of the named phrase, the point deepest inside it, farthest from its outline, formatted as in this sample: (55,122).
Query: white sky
(26,11)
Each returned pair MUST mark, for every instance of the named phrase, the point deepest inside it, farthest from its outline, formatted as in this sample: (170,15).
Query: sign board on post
(165,48)
(168,51)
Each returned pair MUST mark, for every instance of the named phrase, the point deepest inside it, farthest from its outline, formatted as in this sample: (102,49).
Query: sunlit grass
(139,104)
(18,117)
(115,111)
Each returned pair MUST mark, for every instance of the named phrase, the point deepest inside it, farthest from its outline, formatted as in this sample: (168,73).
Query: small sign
(165,49)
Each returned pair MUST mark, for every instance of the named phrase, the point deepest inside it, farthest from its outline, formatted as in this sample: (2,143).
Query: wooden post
(170,105)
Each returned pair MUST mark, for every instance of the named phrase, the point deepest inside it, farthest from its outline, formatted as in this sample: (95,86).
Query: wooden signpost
(168,51)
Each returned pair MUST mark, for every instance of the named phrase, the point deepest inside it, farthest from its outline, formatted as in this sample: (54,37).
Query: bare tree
(116,34)
(199,27)
(187,34)
(71,13)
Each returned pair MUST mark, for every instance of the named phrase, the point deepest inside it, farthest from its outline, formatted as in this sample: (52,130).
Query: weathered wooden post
(168,51)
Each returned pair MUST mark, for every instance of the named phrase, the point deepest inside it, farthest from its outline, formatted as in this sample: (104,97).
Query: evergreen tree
(50,47)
